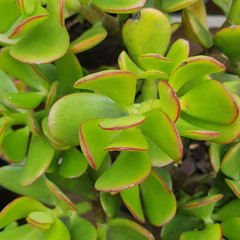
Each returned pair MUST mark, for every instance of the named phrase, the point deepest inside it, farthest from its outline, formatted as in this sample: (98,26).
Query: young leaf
(154,74)
(122,174)
(230,228)
(115,84)
(159,202)
(40,155)
(173,5)
(132,200)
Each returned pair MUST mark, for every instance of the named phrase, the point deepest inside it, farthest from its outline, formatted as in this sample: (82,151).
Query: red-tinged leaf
(234,185)
(202,207)
(173,5)
(88,39)
(126,64)
(158,201)
(123,6)
(73,164)
(129,140)
(193,67)
(118,85)
(51,98)
(41,220)
(122,174)
(39,157)
(28,6)
(29,100)
(201,134)
(65,127)
(231,228)
(15,145)
(56,8)
(94,140)
(62,200)
(36,48)
(119,229)
(212,231)
(169,100)
(143,33)
(19,208)
(230,163)
(132,200)
(161,130)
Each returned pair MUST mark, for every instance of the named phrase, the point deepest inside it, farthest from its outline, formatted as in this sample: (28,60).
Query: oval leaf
(42,220)
(173,5)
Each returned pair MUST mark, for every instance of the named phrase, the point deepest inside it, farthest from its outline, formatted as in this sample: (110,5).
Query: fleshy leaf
(7,85)
(42,220)
(129,140)
(122,174)
(27,100)
(115,84)
(19,208)
(65,127)
(15,145)
(154,74)
(119,229)
(144,33)
(88,39)
(119,6)
(234,185)
(159,202)
(56,8)
(226,40)
(73,164)
(158,122)
(36,48)
(51,98)
(169,100)
(193,67)
(223,5)
(94,140)
(173,5)
(40,155)
(230,228)
(132,200)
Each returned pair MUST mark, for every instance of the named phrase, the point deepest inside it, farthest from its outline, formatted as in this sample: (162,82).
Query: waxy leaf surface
(39,219)
(230,228)
(173,5)
(234,185)
(7,85)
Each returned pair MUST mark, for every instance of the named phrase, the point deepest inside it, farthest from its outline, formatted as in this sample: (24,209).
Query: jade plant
(116,136)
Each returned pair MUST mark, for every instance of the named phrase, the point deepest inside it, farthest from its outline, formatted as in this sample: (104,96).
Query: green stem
(149,89)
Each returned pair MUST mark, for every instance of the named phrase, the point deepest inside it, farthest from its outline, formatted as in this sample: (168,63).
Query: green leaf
(15,145)
(173,5)
(56,8)
(144,33)
(28,5)
(42,220)
(132,200)
(82,229)
(234,15)
(193,67)
(65,127)
(88,39)
(94,140)
(226,40)
(122,174)
(19,208)
(9,178)
(52,95)
(224,5)
(169,135)
(110,204)
(36,48)
(169,100)
(129,140)
(73,164)
(159,202)
(234,185)
(119,6)
(230,163)
(154,74)
(29,100)
(7,85)
(202,207)
(230,228)
(40,155)
(118,229)
(118,85)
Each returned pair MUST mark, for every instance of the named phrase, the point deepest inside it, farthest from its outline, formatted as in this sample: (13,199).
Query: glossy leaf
(122,174)
(19,208)
(226,40)
(28,100)
(88,39)
(40,155)
(9,178)
(193,67)
(230,228)
(223,5)
(7,85)
(143,33)
(51,98)
(234,185)
(119,229)
(73,164)
(233,15)
(28,6)
(129,140)
(173,5)
(169,136)
(65,127)
(169,100)
(125,6)
(132,200)
(41,220)
(36,48)
(117,85)
(154,74)
(15,145)
(94,140)
(56,8)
